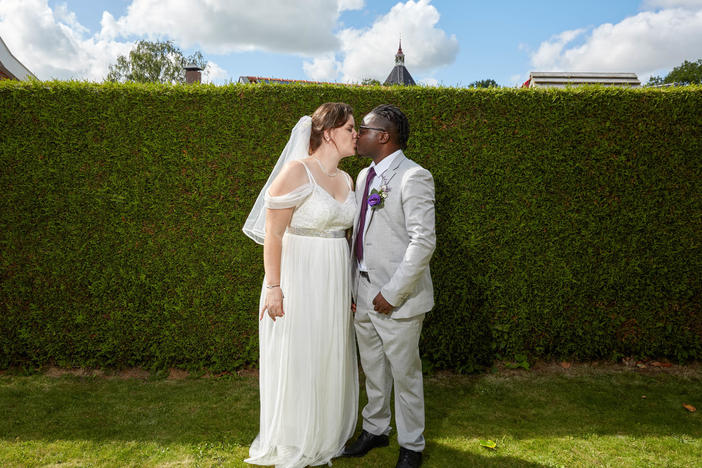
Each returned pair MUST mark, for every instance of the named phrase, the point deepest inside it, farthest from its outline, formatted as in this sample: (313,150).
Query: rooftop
(562,79)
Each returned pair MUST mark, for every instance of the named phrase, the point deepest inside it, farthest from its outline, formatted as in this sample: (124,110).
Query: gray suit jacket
(400,239)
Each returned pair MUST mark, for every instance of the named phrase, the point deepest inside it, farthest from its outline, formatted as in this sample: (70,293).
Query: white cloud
(63,15)
(221,26)
(654,4)
(351,5)
(369,53)
(550,51)
(53,44)
(323,68)
(213,72)
(644,43)
(109,29)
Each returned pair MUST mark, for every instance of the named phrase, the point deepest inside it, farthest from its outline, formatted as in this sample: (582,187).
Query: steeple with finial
(399,74)
(399,56)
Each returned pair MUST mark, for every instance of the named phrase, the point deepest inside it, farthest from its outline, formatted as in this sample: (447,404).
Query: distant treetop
(685,74)
(489,83)
(154,62)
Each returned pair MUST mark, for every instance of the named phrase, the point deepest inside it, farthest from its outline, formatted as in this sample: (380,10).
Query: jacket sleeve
(418,207)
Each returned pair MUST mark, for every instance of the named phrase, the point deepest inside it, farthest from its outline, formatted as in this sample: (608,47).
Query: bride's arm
(277,220)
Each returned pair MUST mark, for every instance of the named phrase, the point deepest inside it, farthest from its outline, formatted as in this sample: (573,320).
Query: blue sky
(451,43)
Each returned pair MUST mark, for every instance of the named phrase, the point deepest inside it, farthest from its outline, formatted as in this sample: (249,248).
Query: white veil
(296,148)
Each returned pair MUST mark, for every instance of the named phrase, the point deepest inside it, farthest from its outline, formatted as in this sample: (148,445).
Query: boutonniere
(376,199)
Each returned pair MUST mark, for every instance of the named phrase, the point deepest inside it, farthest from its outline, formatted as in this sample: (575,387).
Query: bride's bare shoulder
(292,176)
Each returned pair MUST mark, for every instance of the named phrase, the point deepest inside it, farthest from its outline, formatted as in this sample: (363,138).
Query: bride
(308,372)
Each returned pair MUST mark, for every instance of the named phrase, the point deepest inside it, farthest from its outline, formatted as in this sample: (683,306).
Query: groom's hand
(381,305)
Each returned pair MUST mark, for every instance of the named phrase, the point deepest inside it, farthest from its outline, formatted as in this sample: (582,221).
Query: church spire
(399,74)
(399,56)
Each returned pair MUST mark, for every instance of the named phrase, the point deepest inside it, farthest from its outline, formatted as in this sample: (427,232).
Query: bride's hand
(273,304)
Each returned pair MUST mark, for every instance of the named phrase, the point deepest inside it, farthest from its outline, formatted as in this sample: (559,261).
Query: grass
(555,417)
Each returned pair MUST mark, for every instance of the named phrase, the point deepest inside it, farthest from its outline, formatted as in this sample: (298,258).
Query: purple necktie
(362,219)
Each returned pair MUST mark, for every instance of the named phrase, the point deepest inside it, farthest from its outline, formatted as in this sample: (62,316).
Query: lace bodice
(315,207)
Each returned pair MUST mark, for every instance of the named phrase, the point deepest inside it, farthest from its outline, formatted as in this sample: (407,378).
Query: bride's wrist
(274,289)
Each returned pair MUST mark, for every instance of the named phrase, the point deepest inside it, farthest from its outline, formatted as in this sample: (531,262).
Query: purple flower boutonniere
(376,199)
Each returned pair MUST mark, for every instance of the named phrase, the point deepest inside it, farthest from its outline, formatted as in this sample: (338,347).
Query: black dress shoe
(364,443)
(409,459)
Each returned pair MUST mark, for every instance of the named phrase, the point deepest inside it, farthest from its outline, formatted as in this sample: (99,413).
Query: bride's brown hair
(328,116)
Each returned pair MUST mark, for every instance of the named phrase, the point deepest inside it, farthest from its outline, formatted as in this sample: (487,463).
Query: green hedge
(569,221)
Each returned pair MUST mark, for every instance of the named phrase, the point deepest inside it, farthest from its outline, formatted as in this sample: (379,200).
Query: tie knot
(371,173)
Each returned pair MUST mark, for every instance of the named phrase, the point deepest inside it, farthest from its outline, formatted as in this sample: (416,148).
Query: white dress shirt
(377,181)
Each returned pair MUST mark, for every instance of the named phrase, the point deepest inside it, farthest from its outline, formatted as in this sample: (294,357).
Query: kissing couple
(342,267)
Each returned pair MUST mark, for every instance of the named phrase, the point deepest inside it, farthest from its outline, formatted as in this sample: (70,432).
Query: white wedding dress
(308,370)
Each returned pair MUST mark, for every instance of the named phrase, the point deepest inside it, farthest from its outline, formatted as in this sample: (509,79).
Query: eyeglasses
(362,128)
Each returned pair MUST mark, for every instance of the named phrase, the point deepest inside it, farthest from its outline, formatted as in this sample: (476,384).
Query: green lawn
(555,417)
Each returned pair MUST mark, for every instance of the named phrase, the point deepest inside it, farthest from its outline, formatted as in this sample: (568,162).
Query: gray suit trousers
(389,350)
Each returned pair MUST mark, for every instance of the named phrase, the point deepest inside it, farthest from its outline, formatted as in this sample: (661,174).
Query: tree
(370,81)
(489,83)
(686,73)
(153,62)
(654,81)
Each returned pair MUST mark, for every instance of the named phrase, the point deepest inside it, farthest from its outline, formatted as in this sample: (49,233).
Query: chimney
(193,73)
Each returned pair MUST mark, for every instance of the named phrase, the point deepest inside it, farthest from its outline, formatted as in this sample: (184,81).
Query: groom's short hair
(399,120)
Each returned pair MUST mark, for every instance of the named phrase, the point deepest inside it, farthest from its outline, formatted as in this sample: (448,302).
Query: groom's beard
(360,154)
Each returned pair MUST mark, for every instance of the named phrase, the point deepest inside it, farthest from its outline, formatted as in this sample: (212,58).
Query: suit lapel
(386,177)
(360,182)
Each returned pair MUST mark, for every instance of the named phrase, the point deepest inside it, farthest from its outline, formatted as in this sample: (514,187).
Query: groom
(392,244)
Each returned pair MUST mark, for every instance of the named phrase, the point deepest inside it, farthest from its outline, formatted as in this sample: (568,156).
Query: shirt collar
(385,164)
